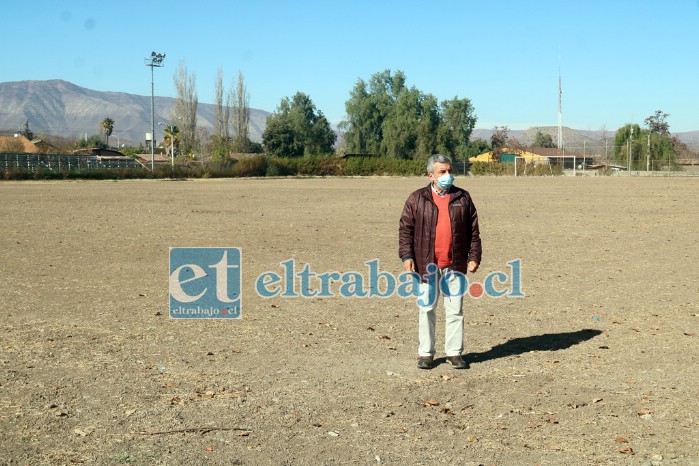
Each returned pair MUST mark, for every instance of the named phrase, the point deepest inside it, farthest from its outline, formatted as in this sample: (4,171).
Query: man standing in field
(438,235)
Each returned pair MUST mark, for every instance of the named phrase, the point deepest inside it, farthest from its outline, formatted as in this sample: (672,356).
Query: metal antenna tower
(560,110)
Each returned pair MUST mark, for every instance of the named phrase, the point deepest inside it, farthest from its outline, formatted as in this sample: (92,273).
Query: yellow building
(508,155)
(536,155)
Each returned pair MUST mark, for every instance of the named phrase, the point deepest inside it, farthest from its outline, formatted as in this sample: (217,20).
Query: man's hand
(409,265)
(472,266)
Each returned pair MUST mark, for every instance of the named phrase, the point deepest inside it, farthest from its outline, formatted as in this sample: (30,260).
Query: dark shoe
(457,361)
(425,362)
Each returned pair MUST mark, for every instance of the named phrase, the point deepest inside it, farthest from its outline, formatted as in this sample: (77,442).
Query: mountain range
(60,108)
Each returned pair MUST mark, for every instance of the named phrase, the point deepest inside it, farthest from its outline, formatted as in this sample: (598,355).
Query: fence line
(34,162)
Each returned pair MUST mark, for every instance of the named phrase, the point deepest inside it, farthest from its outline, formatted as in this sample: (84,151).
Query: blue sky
(619,60)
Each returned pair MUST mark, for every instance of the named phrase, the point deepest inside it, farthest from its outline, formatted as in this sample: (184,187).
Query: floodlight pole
(648,154)
(630,150)
(155,60)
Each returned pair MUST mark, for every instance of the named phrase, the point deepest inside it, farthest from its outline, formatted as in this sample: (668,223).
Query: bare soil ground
(598,364)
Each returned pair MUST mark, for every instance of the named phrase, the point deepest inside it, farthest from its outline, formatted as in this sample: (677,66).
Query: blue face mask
(445,181)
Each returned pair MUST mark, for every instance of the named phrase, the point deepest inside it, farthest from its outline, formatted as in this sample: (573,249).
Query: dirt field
(598,364)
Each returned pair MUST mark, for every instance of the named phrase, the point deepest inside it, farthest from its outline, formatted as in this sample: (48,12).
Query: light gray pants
(454,317)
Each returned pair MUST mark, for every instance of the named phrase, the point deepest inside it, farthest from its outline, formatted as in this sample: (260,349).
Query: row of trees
(649,148)
(385,118)
(231,121)
(231,126)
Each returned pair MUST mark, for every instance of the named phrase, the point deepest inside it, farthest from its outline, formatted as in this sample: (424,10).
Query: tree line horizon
(385,118)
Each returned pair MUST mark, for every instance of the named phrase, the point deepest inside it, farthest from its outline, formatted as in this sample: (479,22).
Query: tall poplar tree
(184,112)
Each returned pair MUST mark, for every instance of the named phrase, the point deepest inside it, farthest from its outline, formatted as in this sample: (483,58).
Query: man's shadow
(546,342)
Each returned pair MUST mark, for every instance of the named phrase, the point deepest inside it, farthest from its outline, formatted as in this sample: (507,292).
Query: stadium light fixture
(155,60)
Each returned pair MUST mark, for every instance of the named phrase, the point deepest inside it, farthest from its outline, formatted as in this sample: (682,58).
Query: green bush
(489,168)
(255,165)
(280,166)
(544,170)
(16,174)
(319,165)
(85,173)
(367,166)
(355,166)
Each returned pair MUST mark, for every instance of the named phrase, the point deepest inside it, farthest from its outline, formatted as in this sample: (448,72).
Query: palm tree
(107,128)
(171,138)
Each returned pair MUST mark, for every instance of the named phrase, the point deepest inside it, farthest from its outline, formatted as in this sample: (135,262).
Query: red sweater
(442,241)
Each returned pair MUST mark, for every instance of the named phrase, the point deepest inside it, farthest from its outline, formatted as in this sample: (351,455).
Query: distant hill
(573,139)
(63,109)
(579,140)
(691,138)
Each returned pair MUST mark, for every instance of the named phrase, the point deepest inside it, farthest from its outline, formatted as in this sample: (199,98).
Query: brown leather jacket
(418,224)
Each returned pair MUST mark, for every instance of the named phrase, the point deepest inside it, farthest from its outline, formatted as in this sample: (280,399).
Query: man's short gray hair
(436,158)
